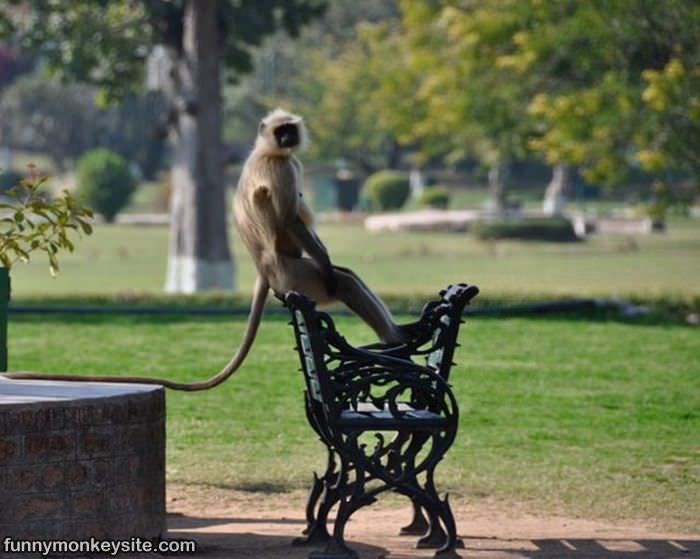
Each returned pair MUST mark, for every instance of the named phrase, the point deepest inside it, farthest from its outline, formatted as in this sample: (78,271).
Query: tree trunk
(555,195)
(417,182)
(199,256)
(393,156)
(498,174)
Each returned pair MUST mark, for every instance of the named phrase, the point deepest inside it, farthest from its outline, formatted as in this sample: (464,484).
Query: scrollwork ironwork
(355,396)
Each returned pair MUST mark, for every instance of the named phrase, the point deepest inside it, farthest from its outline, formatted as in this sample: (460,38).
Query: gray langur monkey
(276,227)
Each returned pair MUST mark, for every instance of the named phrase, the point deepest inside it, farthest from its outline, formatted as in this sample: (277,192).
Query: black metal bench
(355,395)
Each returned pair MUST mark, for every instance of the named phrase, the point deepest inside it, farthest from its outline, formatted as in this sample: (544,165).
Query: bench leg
(443,530)
(314,495)
(435,536)
(321,500)
(419,525)
(351,496)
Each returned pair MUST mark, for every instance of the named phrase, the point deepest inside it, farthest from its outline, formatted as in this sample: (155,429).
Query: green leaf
(86,227)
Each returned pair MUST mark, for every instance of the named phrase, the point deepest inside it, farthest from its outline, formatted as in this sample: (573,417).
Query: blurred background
(542,150)
(534,148)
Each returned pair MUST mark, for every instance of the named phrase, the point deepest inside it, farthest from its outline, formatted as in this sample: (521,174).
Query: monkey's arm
(309,241)
(307,218)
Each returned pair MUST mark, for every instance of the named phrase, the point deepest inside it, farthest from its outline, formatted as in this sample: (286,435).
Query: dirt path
(233,524)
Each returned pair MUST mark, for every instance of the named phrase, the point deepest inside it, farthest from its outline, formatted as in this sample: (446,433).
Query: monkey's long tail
(254,317)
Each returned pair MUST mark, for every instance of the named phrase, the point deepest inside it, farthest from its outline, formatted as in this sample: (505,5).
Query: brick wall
(85,468)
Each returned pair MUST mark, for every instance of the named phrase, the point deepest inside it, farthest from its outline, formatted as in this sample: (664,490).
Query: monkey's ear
(261,127)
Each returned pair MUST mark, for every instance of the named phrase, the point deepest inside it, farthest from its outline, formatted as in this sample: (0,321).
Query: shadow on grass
(280,316)
(140,318)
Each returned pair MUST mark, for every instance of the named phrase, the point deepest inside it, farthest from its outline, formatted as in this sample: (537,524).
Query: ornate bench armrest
(361,355)
(396,393)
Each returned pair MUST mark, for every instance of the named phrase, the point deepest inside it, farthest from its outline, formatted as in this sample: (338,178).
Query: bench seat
(384,420)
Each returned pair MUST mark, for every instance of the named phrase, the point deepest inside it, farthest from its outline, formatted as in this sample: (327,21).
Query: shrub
(435,197)
(8,179)
(105,182)
(386,190)
(556,229)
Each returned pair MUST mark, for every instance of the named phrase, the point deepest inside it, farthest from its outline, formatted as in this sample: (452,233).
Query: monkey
(276,226)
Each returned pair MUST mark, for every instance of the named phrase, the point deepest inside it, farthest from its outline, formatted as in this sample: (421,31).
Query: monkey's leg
(302,275)
(360,299)
(406,331)
(377,301)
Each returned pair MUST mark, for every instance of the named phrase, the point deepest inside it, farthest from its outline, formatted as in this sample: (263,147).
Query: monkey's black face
(287,135)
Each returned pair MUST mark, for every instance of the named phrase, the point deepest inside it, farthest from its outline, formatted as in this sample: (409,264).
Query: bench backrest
(445,317)
(309,358)
(312,347)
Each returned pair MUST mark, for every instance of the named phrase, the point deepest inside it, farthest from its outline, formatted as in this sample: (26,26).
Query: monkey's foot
(411,331)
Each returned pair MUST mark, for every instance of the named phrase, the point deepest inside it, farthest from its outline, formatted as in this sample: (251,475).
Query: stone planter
(4,299)
(81,460)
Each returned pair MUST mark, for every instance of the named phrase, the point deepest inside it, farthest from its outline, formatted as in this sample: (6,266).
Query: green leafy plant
(435,197)
(105,181)
(31,221)
(386,190)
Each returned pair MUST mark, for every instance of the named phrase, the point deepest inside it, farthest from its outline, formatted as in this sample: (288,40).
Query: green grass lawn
(592,417)
(128,259)
(598,418)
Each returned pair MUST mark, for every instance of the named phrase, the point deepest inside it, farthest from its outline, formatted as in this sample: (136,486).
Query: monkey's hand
(330,281)
(309,241)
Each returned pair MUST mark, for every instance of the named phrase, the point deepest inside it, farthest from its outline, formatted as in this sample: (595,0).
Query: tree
(132,128)
(108,43)
(474,106)
(62,121)
(13,63)
(617,83)
(283,70)
(670,135)
(49,117)
(330,75)
(592,84)
(341,91)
